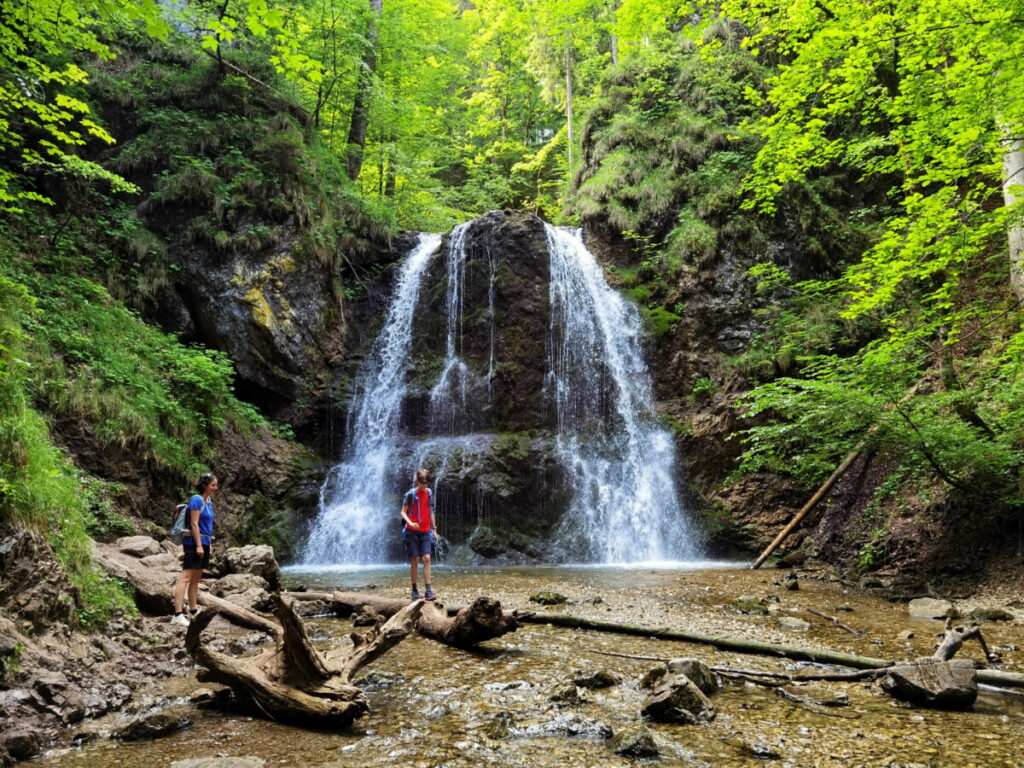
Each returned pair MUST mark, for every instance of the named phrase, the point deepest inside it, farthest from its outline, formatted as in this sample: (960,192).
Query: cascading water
(353,525)
(618,461)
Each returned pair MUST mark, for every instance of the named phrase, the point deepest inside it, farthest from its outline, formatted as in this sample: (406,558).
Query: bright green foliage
(38,486)
(919,98)
(933,89)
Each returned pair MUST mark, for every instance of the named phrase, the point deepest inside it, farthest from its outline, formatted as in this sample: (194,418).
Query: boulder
(366,616)
(934,683)
(699,673)
(23,743)
(257,559)
(678,700)
(139,546)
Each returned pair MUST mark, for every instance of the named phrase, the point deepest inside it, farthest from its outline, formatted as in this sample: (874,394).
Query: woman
(198,545)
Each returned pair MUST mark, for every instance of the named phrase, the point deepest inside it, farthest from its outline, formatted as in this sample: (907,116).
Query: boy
(420,530)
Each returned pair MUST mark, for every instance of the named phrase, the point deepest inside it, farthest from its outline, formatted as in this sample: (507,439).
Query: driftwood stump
(293,681)
(481,620)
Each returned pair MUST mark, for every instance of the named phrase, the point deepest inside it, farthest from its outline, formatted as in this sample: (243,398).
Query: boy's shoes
(416,593)
(430,594)
(180,619)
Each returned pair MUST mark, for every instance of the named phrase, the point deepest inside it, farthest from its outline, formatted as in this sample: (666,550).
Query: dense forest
(884,138)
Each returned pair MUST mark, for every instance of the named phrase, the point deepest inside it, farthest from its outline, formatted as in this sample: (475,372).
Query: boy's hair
(422,476)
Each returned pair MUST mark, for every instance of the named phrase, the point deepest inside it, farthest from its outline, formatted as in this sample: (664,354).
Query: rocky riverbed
(517,700)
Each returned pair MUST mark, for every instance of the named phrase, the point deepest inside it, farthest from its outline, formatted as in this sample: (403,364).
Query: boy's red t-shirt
(419,512)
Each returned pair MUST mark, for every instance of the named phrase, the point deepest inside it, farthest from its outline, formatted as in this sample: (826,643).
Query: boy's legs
(414,563)
(426,568)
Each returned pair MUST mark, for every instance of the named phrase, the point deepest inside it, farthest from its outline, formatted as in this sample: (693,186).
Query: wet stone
(380,681)
(653,677)
(991,614)
(221,762)
(699,673)
(930,608)
(548,598)
(793,623)
(592,680)
(569,724)
(751,604)
(153,726)
(678,700)
(567,695)
(23,744)
(635,741)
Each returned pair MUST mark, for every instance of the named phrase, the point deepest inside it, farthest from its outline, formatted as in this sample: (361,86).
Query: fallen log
(458,626)
(755,647)
(292,681)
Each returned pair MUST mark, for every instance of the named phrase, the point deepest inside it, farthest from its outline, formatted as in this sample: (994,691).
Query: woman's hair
(204,480)
(422,476)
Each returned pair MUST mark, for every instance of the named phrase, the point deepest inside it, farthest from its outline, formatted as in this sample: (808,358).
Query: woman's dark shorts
(194,562)
(418,543)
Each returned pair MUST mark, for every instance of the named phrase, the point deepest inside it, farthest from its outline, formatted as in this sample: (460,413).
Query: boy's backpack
(416,501)
(178,528)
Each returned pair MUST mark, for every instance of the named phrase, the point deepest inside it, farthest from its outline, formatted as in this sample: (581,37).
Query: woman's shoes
(180,619)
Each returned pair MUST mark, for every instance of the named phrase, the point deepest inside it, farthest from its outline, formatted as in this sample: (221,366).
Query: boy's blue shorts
(418,543)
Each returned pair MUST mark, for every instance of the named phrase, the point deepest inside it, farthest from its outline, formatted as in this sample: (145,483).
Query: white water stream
(618,462)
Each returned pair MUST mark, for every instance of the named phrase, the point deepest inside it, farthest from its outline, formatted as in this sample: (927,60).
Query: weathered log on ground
(754,647)
(292,681)
(458,626)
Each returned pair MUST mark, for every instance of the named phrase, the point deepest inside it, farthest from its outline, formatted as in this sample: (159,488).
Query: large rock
(678,700)
(934,683)
(699,673)
(257,559)
(139,546)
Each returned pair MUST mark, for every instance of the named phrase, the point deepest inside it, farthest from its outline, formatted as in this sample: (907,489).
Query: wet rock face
(277,316)
(507,271)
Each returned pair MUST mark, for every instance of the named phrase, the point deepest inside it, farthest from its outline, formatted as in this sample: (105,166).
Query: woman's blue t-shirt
(205,520)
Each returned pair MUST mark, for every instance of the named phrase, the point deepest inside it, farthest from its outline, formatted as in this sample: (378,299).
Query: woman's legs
(193,588)
(184,580)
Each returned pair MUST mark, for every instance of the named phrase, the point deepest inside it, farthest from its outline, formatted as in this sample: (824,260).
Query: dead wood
(458,626)
(755,647)
(836,622)
(293,681)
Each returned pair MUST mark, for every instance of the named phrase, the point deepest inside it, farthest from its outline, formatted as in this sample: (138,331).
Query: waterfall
(615,461)
(358,512)
(619,462)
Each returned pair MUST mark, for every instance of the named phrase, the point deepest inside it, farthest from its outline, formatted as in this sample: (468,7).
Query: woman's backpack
(178,528)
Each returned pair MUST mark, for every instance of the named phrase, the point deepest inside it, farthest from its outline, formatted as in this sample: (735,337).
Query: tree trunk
(459,626)
(364,94)
(1013,176)
(724,643)
(568,99)
(293,682)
